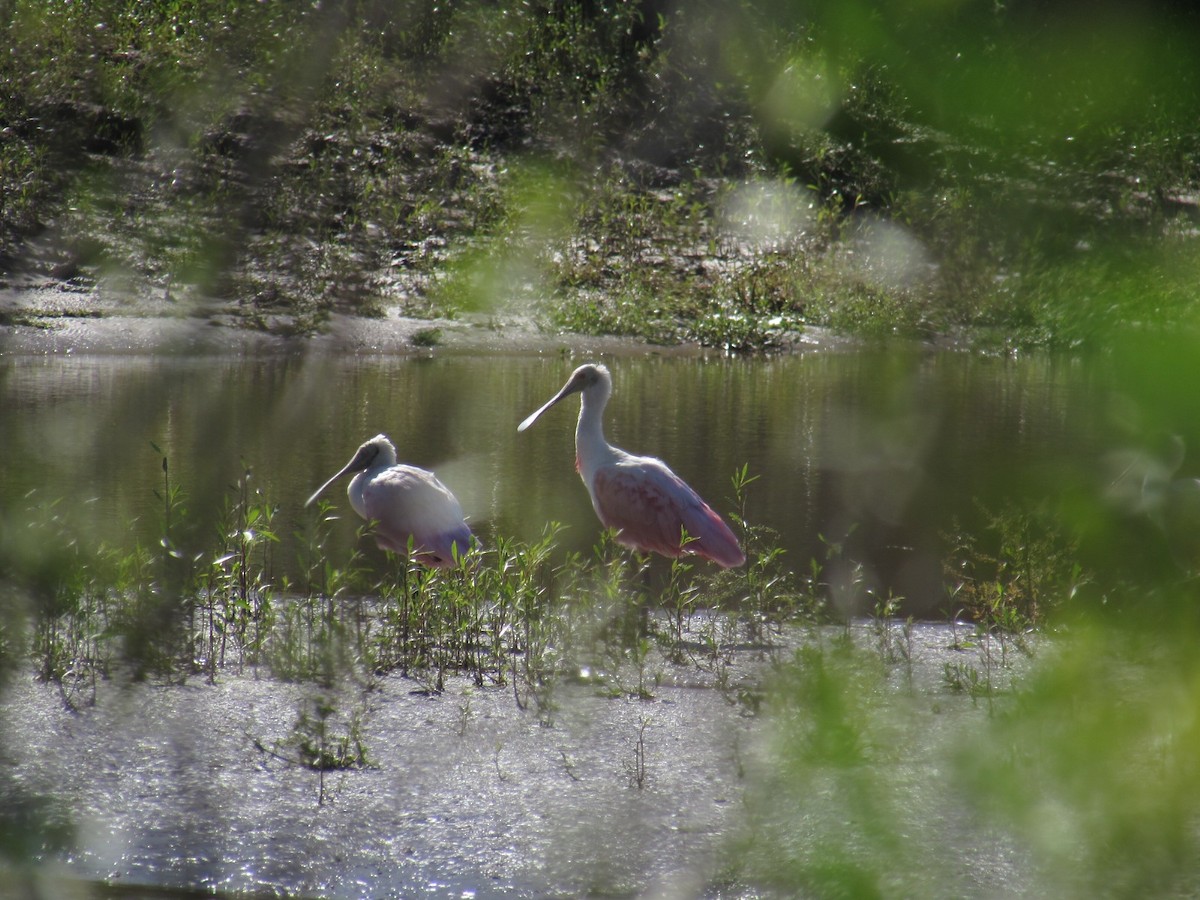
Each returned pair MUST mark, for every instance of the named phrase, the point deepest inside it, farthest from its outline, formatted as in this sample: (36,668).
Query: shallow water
(467,795)
(881,452)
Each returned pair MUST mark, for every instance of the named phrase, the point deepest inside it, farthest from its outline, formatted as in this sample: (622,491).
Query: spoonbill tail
(650,507)
(405,502)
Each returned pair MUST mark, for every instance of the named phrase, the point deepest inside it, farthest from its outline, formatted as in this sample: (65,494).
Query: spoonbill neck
(592,450)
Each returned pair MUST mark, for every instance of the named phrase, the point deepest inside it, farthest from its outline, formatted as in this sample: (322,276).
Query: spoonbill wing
(650,506)
(406,500)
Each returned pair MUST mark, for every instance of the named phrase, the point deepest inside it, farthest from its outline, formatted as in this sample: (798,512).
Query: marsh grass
(510,613)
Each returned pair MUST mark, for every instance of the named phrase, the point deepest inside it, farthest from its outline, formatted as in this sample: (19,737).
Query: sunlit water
(880,453)
(468,794)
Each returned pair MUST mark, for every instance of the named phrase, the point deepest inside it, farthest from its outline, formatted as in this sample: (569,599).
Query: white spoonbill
(405,502)
(648,505)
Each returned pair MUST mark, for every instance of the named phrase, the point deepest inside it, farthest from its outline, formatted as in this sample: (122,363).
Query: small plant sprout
(636,767)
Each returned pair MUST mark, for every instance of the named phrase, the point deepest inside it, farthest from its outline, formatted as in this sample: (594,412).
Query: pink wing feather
(405,500)
(649,506)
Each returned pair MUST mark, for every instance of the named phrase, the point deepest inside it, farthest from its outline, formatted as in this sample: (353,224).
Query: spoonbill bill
(649,506)
(405,502)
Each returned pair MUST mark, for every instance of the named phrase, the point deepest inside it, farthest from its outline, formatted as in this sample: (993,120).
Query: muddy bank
(150,334)
(56,318)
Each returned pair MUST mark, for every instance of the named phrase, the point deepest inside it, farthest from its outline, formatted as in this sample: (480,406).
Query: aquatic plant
(316,742)
(211,602)
(1009,578)
(635,768)
(237,587)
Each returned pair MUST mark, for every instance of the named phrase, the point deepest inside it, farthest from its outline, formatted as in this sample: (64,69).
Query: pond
(878,453)
(738,757)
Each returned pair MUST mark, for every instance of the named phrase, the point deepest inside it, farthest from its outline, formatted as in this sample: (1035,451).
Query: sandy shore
(53,319)
(119,334)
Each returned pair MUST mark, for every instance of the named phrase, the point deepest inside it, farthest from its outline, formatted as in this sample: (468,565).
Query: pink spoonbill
(649,506)
(405,502)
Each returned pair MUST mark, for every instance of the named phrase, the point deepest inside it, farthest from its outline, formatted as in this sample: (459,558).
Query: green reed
(510,612)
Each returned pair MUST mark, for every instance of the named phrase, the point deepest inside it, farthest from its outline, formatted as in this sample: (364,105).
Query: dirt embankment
(55,317)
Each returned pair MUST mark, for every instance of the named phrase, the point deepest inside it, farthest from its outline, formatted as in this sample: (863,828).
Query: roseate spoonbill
(648,505)
(405,502)
(1172,504)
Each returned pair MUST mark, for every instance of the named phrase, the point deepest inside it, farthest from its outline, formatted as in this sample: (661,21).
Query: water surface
(881,452)
(468,796)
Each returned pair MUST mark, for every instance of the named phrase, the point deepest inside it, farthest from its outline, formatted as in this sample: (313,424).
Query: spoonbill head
(405,502)
(650,507)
